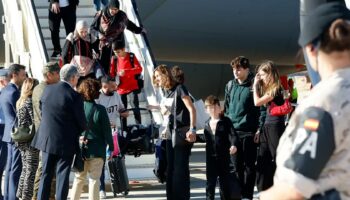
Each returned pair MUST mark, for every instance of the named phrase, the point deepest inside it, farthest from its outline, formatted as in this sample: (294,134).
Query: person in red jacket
(125,66)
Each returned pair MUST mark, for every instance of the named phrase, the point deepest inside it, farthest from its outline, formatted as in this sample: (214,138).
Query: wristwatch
(193,129)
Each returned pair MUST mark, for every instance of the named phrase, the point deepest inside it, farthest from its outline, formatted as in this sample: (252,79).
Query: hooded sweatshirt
(240,108)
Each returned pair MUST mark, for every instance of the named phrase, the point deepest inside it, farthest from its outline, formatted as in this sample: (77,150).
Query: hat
(320,19)
(4,72)
(51,67)
(113,4)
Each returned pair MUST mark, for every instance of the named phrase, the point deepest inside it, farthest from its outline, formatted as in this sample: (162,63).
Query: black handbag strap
(175,106)
(91,117)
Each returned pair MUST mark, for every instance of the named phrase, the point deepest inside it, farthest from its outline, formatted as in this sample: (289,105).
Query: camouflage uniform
(314,152)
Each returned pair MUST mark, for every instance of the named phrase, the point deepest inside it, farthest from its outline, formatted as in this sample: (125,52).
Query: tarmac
(144,184)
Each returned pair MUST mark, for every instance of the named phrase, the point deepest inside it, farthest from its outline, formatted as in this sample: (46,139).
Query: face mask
(313,74)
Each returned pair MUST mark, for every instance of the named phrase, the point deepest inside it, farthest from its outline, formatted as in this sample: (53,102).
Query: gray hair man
(69,73)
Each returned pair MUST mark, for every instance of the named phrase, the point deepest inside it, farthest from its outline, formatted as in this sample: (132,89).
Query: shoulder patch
(313,142)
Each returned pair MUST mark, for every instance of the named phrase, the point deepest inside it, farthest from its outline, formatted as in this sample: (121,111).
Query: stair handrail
(32,51)
(139,44)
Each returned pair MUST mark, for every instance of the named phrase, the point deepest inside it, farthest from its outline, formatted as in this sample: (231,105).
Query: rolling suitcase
(119,176)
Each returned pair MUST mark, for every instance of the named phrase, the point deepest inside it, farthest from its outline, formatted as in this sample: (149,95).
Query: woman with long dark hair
(183,114)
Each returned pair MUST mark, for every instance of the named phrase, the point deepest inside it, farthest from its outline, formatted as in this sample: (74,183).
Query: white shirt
(113,105)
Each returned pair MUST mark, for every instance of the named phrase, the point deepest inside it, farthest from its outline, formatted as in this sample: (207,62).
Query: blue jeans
(97,4)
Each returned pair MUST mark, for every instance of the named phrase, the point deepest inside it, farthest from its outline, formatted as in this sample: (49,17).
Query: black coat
(62,121)
(218,144)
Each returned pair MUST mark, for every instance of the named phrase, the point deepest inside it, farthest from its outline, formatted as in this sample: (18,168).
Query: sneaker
(103,194)
(56,54)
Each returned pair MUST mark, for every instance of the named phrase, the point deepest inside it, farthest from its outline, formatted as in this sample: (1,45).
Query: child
(126,66)
(221,143)
(114,106)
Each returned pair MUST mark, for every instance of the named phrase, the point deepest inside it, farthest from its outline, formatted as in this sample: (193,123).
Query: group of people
(60,114)
(308,159)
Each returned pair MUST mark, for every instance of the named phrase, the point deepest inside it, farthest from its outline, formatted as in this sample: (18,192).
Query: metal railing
(139,45)
(23,36)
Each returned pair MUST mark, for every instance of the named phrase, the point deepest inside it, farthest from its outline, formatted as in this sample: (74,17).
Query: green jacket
(100,134)
(37,93)
(239,106)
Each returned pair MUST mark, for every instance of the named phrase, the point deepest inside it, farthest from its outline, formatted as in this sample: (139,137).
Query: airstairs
(28,40)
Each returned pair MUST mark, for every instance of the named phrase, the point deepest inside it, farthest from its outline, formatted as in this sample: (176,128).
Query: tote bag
(201,115)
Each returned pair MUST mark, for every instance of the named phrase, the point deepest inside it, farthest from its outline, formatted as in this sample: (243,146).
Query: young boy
(126,67)
(110,99)
(222,142)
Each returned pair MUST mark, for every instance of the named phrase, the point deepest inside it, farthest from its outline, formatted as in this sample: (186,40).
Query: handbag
(230,189)
(178,136)
(80,155)
(281,110)
(83,63)
(23,133)
(201,115)
(116,150)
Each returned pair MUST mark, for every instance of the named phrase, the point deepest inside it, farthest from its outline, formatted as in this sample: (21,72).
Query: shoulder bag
(281,110)
(23,133)
(80,155)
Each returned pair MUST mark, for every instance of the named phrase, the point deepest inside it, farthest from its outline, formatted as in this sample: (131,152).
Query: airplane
(203,36)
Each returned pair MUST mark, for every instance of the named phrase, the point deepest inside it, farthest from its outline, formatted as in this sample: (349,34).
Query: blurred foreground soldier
(313,156)
(62,121)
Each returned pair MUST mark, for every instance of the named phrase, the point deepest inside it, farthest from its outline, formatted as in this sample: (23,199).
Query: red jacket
(128,82)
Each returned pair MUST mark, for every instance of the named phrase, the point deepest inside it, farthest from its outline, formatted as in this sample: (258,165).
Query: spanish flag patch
(311,124)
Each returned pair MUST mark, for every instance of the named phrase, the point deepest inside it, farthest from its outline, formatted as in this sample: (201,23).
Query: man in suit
(8,98)
(62,121)
(61,10)
(4,80)
(51,74)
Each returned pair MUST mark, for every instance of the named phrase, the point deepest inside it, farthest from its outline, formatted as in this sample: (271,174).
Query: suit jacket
(62,120)
(8,98)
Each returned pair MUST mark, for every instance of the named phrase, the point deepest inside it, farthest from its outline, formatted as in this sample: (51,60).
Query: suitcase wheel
(126,193)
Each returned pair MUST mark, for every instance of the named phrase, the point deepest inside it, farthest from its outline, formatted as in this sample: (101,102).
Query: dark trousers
(134,101)
(266,163)
(105,58)
(68,16)
(245,165)
(37,181)
(106,53)
(216,168)
(3,156)
(13,171)
(178,172)
(63,167)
